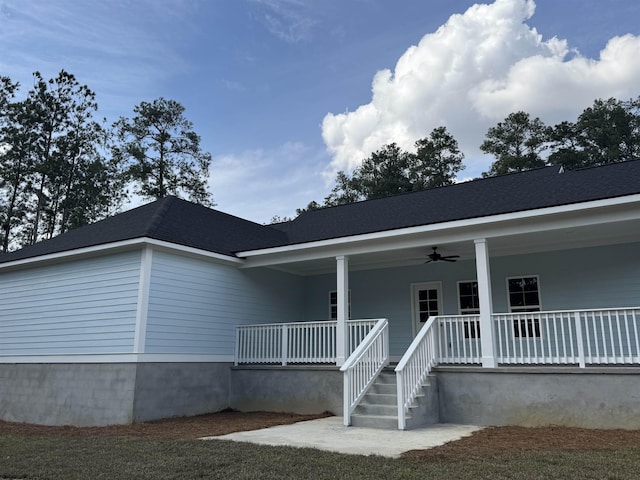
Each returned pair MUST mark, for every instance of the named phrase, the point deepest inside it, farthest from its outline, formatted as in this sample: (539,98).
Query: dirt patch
(509,440)
(212,424)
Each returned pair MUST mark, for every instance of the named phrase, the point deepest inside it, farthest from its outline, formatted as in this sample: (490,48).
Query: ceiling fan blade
(428,261)
(450,256)
(447,259)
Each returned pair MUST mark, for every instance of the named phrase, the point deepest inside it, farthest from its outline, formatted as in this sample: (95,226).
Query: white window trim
(336,305)
(460,312)
(537,277)
(524,309)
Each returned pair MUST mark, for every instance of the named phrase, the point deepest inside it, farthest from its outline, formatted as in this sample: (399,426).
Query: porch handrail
(296,342)
(595,336)
(584,337)
(415,366)
(363,366)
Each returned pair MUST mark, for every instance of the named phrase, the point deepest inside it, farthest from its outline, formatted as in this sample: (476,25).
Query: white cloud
(472,72)
(252,184)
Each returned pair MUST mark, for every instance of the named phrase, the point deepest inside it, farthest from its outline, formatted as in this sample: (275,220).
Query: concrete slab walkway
(329,434)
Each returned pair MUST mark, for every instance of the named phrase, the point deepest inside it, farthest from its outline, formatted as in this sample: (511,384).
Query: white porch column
(342,290)
(487,334)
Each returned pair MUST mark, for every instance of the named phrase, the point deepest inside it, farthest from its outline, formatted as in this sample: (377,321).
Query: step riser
(374,422)
(384,388)
(380,399)
(369,409)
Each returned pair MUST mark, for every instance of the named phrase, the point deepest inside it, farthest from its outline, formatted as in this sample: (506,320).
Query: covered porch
(552,289)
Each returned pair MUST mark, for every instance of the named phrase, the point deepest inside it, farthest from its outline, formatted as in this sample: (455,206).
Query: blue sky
(286,92)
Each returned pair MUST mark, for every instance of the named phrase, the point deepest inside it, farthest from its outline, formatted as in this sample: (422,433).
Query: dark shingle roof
(184,223)
(533,189)
(169,219)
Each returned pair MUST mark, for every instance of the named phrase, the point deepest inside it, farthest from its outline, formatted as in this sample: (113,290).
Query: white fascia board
(118,358)
(168,246)
(121,245)
(523,222)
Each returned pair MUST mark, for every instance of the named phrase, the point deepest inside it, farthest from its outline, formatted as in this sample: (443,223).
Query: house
(517,298)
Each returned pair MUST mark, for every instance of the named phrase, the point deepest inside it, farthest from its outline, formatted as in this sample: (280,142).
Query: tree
(161,152)
(386,172)
(437,160)
(517,144)
(11,197)
(390,170)
(607,132)
(345,190)
(566,146)
(54,172)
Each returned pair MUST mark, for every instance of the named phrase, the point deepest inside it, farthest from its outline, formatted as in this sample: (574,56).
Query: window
(333,305)
(469,304)
(524,296)
(428,304)
(468,300)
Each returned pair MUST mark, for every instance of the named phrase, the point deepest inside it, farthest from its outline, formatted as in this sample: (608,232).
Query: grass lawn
(68,457)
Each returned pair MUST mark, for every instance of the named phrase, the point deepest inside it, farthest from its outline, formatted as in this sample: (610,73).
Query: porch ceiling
(391,255)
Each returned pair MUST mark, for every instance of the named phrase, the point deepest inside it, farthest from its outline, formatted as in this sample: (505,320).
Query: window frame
(332,305)
(471,328)
(526,328)
(468,311)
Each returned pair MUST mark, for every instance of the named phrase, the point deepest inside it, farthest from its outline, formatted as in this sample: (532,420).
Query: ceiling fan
(436,257)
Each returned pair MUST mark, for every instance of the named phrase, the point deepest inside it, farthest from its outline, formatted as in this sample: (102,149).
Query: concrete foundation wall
(67,394)
(180,389)
(589,398)
(110,393)
(286,389)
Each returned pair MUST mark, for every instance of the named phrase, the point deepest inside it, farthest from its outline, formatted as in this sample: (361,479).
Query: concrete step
(379,408)
(386,377)
(384,388)
(387,422)
(376,409)
(381,398)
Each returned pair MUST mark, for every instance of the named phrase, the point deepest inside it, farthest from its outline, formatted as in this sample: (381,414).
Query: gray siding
(80,307)
(195,305)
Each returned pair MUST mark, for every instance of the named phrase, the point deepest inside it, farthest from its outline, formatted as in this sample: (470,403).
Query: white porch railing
(583,337)
(300,342)
(459,339)
(569,337)
(415,365)
(565,337)
(363,366)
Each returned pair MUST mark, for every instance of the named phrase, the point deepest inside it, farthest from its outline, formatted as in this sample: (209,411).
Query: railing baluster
(628,337)
(635,332)
(579,338)
(604,340)
(620,350)
(588,336)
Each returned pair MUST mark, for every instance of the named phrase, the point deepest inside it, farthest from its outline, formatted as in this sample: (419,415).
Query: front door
(426,302)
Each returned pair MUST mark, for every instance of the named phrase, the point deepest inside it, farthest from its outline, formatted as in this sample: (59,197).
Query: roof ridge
(156,219)
(610,164)
(414,192)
